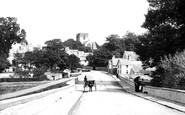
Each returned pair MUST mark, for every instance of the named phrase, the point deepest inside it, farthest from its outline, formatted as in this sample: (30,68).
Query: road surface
(111,99)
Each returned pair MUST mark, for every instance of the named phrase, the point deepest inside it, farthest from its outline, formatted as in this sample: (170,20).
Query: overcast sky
(48,19)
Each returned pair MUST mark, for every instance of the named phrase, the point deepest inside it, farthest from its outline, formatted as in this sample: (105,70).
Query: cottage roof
(130,55)
(136,66)
(124,62)
(144,77)
(145,72)
(151,69)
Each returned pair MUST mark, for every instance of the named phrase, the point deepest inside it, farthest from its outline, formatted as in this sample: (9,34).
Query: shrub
(22,73)
(171,72)
(39,72)
(158,77)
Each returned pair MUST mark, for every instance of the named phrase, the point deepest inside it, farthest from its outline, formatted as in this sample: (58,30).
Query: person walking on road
(85,79)
(85,82)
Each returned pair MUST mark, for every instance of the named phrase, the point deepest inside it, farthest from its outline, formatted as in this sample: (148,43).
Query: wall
(167,93)
(7,102)
(126,80)
(37,88)
(53,76)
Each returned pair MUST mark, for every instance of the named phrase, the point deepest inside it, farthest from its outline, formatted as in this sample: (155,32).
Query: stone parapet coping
(33,89)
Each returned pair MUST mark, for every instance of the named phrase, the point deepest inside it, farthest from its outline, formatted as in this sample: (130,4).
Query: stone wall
(126,80)
(167,93)
(53,76)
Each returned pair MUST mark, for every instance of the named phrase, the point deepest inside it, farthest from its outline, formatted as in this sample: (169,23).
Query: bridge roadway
(109,99)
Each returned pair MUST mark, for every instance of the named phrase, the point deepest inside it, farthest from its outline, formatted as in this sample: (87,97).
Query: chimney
(113,56)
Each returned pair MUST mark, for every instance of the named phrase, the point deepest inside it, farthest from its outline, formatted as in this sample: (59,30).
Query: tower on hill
(82,37)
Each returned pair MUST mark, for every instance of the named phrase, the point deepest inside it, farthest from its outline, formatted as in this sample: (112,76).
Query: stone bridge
(113,96)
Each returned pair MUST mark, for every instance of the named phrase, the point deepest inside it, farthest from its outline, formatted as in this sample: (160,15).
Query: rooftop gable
(137,66)
(124,62)
(130,55)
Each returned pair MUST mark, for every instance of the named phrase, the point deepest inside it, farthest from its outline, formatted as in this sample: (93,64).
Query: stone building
(80,54)
(84,39)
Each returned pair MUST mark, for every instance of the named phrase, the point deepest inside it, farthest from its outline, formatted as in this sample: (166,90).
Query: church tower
(82,37)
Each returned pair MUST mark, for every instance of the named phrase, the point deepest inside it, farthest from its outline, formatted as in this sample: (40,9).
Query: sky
(50,19)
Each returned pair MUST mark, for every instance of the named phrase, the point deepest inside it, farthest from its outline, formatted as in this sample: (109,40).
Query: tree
(166,24)
(99,58)
(10,33)
(130,39)
(64,61)
(38,59)
(22,68)
(4,63)
(166,12)
(50,57)
(54,55)
(73,62)
(54,44)
(90,58)
(172,71)
(72,44)
(115,45)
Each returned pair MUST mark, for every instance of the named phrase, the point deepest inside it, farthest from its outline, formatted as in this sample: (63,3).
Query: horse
(90,84)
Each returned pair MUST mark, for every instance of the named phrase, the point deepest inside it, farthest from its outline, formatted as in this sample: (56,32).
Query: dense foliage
(52,57)
(130,39)
(99,58)
(114,46)
(165,22)
(73,62)
(172,71)
(10,33)
(72,44)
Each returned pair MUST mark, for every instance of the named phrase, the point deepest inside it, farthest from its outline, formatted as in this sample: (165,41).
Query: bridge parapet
(166,93)
(11,99)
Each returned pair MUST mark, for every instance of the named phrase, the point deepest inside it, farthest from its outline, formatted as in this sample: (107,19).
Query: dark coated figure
(85,82)
(90,84)
(137,84)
